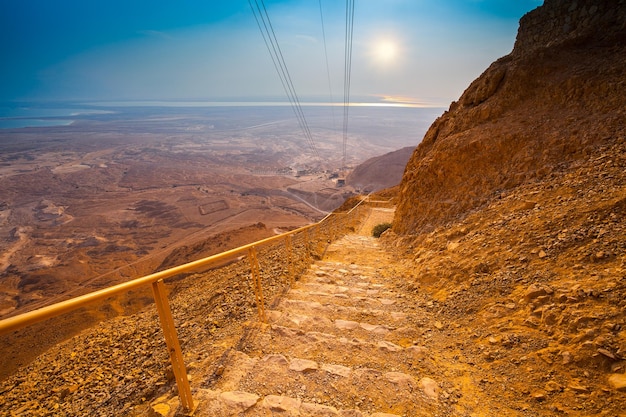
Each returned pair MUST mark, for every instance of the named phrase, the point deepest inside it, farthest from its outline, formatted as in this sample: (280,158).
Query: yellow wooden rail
(323,232)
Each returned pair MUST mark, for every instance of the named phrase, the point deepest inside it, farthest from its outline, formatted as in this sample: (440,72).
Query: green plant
(380,228)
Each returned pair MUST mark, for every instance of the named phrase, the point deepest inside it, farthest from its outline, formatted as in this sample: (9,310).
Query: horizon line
(264,103)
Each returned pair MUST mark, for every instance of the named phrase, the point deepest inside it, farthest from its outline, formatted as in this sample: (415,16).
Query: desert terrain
(110,195)
(112,192)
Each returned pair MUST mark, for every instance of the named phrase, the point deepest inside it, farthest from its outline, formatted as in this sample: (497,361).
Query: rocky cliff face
(554,101)
(512,217)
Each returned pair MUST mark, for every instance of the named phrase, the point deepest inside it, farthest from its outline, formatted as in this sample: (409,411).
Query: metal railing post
(256,279)
(173,345)
(319,238)
(290,261)
(307,244)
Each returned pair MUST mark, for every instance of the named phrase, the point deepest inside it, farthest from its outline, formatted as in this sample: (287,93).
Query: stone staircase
(340,343)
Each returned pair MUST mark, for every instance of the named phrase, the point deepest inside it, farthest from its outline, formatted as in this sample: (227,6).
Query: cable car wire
(330,89)
(271,42)
(347,74)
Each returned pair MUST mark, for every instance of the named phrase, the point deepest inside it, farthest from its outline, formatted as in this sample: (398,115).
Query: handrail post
(319,237)
(307,245)
(290,261)
(256,279)
(173,345)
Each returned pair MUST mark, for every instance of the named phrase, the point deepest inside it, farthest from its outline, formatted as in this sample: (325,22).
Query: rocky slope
(121,365)
(530,293)
(21,347)
(551,103)
(511,220)
(491,314)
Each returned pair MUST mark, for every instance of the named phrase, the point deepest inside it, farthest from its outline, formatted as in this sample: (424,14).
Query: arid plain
(110,195)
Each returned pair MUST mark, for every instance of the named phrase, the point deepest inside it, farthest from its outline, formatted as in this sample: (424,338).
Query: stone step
(344,299)
(342,290)
(341,350)
(337,279)
(241,403)
(341,287)
(361,243)
(341,270)
(341,312)
(383,327)
(337,311)
(367,280)
(349,254)
(338,387)
(365,388)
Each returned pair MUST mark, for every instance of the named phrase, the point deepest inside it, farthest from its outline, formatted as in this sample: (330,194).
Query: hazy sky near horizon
(425,50)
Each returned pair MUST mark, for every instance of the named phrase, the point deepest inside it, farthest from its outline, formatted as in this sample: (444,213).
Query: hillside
(511,219)
(554,102)
(380,172)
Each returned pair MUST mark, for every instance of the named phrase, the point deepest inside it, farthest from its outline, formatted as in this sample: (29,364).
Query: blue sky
(425,50)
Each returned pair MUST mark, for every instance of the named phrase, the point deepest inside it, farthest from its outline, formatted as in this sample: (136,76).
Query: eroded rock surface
(549,105)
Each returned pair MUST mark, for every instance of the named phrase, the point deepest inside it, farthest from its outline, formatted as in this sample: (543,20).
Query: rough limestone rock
(277,403)
(556,97)
(618,381)
(240,401)
(303,365)
(430,387)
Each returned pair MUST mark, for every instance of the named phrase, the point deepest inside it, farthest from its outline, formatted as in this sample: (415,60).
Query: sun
(385,51)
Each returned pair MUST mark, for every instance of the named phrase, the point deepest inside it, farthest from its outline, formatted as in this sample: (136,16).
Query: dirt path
(376,216)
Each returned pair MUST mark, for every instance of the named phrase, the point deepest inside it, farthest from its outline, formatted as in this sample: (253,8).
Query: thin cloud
(308,38)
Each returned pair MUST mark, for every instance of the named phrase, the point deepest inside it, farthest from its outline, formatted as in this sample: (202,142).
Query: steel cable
(271,42)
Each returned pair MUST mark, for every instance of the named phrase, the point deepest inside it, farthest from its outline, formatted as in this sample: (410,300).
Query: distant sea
(49,114)
(15,116)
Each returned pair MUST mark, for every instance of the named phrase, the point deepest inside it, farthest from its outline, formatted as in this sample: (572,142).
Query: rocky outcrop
(560,21)
(556,99)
